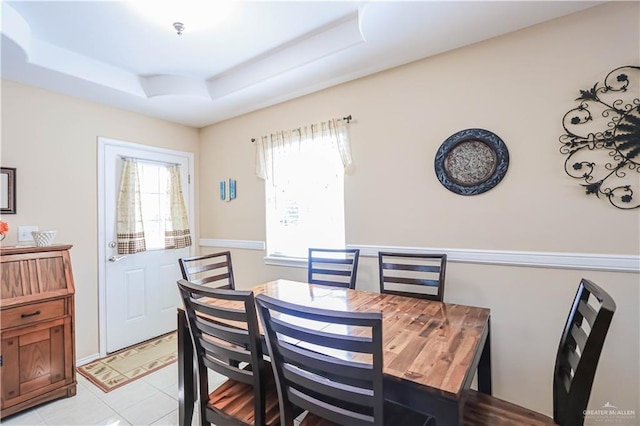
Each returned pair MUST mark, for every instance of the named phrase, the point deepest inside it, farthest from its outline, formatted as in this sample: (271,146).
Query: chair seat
(235,399)
(394,415)
(485,410)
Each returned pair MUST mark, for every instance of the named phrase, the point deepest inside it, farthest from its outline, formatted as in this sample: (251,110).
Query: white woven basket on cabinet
(43,238)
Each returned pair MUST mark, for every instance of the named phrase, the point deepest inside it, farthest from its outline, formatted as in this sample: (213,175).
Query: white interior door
(139,290)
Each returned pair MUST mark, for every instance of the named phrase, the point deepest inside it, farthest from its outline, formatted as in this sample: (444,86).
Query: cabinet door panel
(38,359)
(35,356)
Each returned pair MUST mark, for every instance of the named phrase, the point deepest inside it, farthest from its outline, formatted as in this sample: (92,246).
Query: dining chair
(329,363)
(249,395)
(213,270)
(333,267)
(413,274)
(576,361)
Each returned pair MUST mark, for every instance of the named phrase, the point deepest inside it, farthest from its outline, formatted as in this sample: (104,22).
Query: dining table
(432,350)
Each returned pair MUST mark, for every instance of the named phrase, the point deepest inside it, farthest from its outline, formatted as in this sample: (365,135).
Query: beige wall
(518,86)
(52,141)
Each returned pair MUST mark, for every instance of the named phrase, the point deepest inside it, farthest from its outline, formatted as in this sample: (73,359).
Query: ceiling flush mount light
(179,27)
(195,14)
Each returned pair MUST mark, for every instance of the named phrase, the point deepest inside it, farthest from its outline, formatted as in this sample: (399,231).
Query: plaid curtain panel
(130,230)
(177,234)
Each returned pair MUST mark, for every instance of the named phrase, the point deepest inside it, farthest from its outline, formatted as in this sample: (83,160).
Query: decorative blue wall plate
(471,161)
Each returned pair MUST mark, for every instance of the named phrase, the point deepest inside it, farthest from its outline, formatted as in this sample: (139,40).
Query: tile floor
(150,400)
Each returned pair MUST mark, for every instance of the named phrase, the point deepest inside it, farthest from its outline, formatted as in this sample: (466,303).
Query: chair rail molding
(585,261)
(239,244)
(532,259)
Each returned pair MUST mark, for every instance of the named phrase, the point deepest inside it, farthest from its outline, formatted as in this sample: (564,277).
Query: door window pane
(154,198)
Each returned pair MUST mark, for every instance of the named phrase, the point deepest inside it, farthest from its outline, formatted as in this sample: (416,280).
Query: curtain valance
(272,147)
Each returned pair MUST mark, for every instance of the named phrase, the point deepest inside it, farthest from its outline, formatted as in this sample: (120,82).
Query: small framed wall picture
(8,190)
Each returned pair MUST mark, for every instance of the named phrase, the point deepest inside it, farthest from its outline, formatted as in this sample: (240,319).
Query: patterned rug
(129,364)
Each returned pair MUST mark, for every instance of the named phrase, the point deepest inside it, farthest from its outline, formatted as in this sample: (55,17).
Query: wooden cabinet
(36,326)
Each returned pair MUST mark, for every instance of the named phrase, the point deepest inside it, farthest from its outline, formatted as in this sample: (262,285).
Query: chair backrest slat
(234,373)
(315,369)
(419,275)
(351,373)
(319,384)
(579,336)
(230,334)
(220,311)
(327,411)
(320,271)
(587,312)
(575,369)
(333,340)
(333,260)
(412,281)
(333,267)
(212,279)
(409,267)
(570,359)
(208,267)
(213,268)
(236,353)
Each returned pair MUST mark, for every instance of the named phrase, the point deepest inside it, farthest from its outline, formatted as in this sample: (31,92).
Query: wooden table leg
(484,366)
(186,388)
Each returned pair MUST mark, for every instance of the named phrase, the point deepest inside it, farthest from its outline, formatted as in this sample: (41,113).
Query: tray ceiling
(248,56)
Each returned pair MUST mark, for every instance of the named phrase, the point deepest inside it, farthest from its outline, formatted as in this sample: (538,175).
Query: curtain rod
(348,119)
(144,160)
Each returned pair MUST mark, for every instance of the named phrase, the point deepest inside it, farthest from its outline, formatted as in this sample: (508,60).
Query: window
(304,186)
(155,203)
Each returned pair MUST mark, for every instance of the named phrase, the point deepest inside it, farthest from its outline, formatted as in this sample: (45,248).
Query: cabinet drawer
(31,313)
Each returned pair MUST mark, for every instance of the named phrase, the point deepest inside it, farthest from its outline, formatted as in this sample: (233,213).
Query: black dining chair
(333,267)
(413,274)
(212,270)
(576,361)
(334,374)
(249,395)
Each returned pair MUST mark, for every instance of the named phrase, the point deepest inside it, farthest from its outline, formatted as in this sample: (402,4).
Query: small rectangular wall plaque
(232,189)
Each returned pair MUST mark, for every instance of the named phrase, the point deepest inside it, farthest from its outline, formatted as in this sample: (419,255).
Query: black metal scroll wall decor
(471,161)
(602,138)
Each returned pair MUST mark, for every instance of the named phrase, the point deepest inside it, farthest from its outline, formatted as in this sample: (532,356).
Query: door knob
(116,258)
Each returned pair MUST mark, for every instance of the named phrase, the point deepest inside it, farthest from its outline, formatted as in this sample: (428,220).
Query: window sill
(292,262)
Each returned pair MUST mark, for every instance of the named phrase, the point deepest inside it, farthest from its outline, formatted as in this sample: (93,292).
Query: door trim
(102,240)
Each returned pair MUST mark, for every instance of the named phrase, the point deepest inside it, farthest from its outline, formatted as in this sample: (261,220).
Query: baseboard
(87,360)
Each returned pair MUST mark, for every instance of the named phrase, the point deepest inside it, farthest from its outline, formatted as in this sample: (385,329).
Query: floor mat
(129,364)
